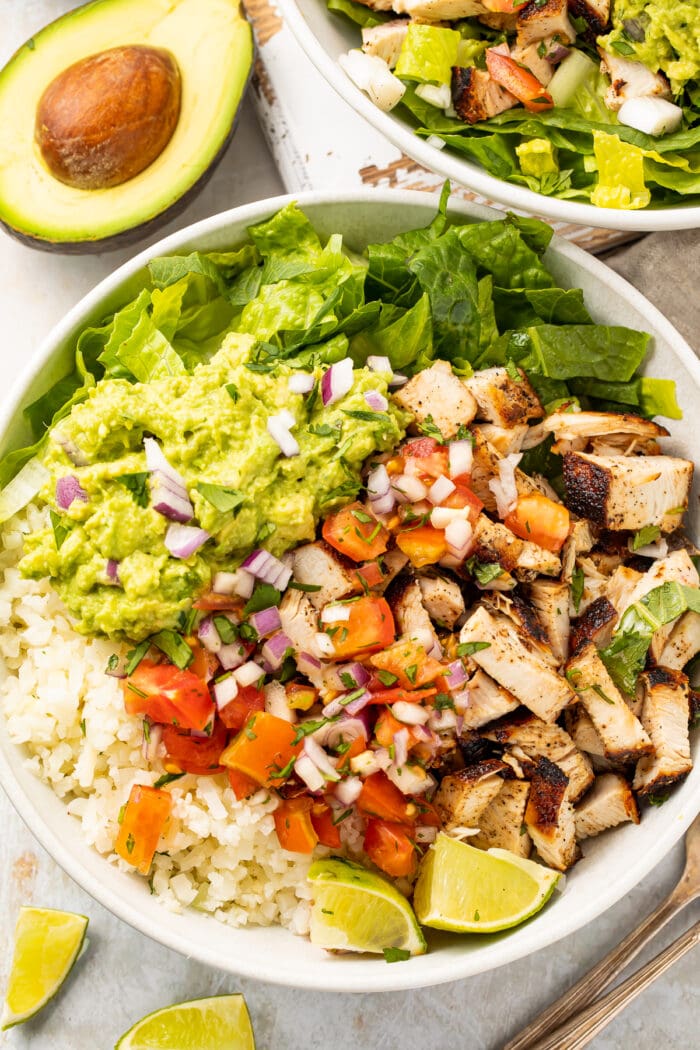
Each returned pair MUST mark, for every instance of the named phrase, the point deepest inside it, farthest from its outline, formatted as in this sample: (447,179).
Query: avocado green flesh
(208,437)
(212,44)
(670,37)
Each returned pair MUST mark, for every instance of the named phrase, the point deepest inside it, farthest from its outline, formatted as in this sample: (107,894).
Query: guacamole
(212,427)
(663,34)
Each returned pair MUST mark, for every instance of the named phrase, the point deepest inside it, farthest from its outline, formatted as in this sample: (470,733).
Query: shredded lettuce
(620,174)
(428,54)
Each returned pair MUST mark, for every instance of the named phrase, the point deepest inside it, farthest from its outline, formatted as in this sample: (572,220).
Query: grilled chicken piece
(525,619)
(503,400)
(531,58)
(683,642)
(385,40)
(505,20)
(501,825)
(608,804)
(318,564)
(624,738)
(476,96)
(540,20)
(675,567)
(621,586)
(437,392)
(665,716)
(550,599)
(535,738)
(492,541)
(594,625)
(579,541)
(412,619)
(595,583)
(595,12)
(485,468)
(513,664)
(582,731)
(487,700)
(463,796)
(573,430)
(437,10)
(442,599)
(300,624)
(504,439)
(631,79)
(628,492)
(549,815)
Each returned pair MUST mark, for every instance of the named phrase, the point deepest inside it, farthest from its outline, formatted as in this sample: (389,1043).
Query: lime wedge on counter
(220,1022)
(355,910)
(47,943)
(468,890)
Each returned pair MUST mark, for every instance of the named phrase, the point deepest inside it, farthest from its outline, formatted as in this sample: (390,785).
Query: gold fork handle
(584,1026)
(600,976)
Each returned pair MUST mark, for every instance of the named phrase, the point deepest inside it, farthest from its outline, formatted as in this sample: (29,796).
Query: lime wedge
(357,911)
(220,1022)
(47,943)
(469,890)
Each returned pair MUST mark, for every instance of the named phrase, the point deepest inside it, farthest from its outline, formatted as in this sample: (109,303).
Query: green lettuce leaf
(608,352)
(428,54)
(620,174)
(358,13)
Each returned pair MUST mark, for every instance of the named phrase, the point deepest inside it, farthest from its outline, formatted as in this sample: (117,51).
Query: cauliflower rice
(220,855)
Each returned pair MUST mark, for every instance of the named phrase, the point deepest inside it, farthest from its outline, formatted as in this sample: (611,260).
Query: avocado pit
(109,116)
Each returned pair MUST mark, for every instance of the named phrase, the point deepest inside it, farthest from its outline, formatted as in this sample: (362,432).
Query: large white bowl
(612,865)
(324,36)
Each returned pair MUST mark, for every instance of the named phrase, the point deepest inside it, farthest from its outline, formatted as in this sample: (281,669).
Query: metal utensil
(579,996)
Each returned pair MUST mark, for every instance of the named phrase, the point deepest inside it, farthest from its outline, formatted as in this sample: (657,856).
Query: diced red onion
(321,760)
(209,636)
(278,429)
(456,676)
(440,490)
(458,536)
(325,644)
(335,614)
(307,664)
(378,482)
(408,489)
(398,380)
(368,762)
(112,573)
(440,517)
(307,771)
(301,383)
(268,568)
(401,747)
(76,455)
(425,833)
(239,582)
(276,702)
(225,690)
(379,364)
(461,457)
(152,742)
(348,790)
(459,726)
(384,504)
(119,670)
(275,648)
(355,706)
(174,507)
(504,487)
(346,730)
(184,540)
(410,780)
(376,401)
(68,489)
(461,700)
(337,381)
(558,54)
(230,656)
(441,721)
(156,461)
(421,733)
(356,672)
(248,674)
(410,714)
(266,621)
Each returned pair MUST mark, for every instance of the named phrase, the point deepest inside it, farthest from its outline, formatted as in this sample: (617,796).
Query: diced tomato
(195,754)
(263,748)
(426,813)
(241,785)
(380,798)
(357,746)
(423,545)
(520,82)
(505,6)
(463,497)
(247,702)
(168,695)
(293,825)
(391,696)
(145,816)
(356,533)
(369,627)
(322,820)
(369,575)
(300,697)
(385,727)
(410,663)
(210,601)
(389,845)
(429,458)
(204,664)
(541,520)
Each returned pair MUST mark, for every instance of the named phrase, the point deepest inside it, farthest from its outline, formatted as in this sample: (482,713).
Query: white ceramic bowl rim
(461,170)
(297,965)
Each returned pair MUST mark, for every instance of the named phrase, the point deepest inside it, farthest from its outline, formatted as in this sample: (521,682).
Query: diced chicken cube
(507,658)
(437,10)
(549,816)
(676,567)
(683,643)
(412,619)
(540,20)
(492,541)
(538,738)
(485,461)
(621,586)
(537,63)
(486,701)
(582,731)
(438,393)
(504,439)
(628,492)
(463,796)
(665,716)
(300,624)
(318,565)
(608,804)
(385,40)
(550,599)
(502,399)
(525,619)
(476,96)
(596,625)
(442,599)
(579,541)
(631,79)
(624,738)
(501,825)
(573,430)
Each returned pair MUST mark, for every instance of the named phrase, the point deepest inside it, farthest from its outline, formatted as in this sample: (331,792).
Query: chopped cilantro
(228,632)
(221,498)
(386,677)
(577,584)
(430,428)
(175,648)
(167,778)
(263,597)
(135,656)
(130,843)
(137,484)
(646,535)
(232,391)
(411,673)
(469,648)
(60,531)
(513,371)
(309,587)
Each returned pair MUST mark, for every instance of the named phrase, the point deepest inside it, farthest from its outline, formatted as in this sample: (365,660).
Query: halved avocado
(210,41)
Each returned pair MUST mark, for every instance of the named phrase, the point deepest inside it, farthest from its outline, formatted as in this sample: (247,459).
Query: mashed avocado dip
(663,34)
(212,427)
